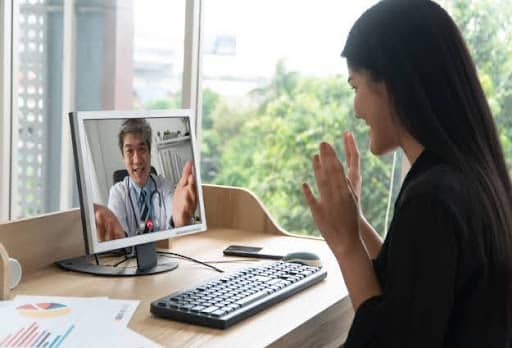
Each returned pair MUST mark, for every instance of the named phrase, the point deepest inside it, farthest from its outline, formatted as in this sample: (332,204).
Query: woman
(442,277)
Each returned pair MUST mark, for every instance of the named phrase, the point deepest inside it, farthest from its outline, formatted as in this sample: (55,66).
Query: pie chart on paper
(43,310)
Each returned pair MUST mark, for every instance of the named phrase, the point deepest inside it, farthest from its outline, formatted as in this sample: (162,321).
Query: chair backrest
(119,174)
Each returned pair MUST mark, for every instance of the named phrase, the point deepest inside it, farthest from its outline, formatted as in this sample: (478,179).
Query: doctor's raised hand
(184,201)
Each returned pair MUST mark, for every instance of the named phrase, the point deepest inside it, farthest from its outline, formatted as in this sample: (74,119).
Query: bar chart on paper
(63,322)
(35,336)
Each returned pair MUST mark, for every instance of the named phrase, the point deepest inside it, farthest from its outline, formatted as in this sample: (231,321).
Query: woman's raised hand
(336,211)
(353,163)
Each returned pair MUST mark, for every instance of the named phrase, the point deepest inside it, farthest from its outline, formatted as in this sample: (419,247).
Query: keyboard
(224,301)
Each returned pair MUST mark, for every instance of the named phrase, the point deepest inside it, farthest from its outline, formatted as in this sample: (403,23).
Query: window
(279,92)
(273,87)
(37,108)
(283,89)
(83,55)
(487,29)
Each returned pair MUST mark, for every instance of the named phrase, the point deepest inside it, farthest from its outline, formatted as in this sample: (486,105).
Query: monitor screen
(143,167)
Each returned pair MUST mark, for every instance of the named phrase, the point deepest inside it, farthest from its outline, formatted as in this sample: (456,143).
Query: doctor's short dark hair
(135,126)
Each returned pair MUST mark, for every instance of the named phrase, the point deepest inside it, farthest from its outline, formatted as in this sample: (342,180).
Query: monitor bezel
(85,189)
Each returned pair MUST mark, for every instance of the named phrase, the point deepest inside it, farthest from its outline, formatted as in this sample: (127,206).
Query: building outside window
(83,55)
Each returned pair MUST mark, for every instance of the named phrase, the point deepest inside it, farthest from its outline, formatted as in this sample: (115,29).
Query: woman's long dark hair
(416,49)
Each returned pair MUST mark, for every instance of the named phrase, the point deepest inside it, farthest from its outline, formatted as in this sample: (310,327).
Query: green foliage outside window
(266,145)
(268,148)
(487,28)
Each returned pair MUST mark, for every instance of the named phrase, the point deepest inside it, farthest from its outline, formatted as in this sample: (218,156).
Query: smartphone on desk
(251,251)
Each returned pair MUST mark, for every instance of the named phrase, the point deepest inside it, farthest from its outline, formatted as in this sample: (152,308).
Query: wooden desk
(319,316)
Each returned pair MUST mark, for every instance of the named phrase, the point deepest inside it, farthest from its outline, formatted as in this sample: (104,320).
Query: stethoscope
(142,224)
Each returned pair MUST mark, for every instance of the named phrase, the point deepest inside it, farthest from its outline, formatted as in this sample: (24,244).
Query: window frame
(6,88)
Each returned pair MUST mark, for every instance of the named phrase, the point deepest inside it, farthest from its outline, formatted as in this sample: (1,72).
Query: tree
(283,84)
(164,103)
(270,149)
(487,28)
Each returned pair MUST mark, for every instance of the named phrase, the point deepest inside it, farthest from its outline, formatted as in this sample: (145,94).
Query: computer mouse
(304,258)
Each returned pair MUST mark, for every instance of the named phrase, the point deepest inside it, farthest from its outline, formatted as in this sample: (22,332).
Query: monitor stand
(148,262)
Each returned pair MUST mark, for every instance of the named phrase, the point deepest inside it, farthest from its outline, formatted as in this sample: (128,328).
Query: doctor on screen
(144,202)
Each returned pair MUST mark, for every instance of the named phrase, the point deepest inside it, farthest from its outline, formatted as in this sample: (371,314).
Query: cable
(166,253)
(233,261)
(191,259)
(126,258)
(115,253)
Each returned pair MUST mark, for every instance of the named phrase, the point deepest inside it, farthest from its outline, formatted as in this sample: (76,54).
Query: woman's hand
(336,212)
(353,164)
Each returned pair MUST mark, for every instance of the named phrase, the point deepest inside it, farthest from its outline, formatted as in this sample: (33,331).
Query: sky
(308,34)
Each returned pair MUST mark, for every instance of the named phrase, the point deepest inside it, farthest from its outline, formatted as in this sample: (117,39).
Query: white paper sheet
(51,322)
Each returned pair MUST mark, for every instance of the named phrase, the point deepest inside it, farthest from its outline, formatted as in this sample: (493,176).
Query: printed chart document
(51,322)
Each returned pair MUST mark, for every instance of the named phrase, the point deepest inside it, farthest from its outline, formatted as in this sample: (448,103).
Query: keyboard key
(252,298)
(219,313)
(187,307)
(209,310)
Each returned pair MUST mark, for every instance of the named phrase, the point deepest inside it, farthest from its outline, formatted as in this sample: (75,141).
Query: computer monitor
(143,167)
